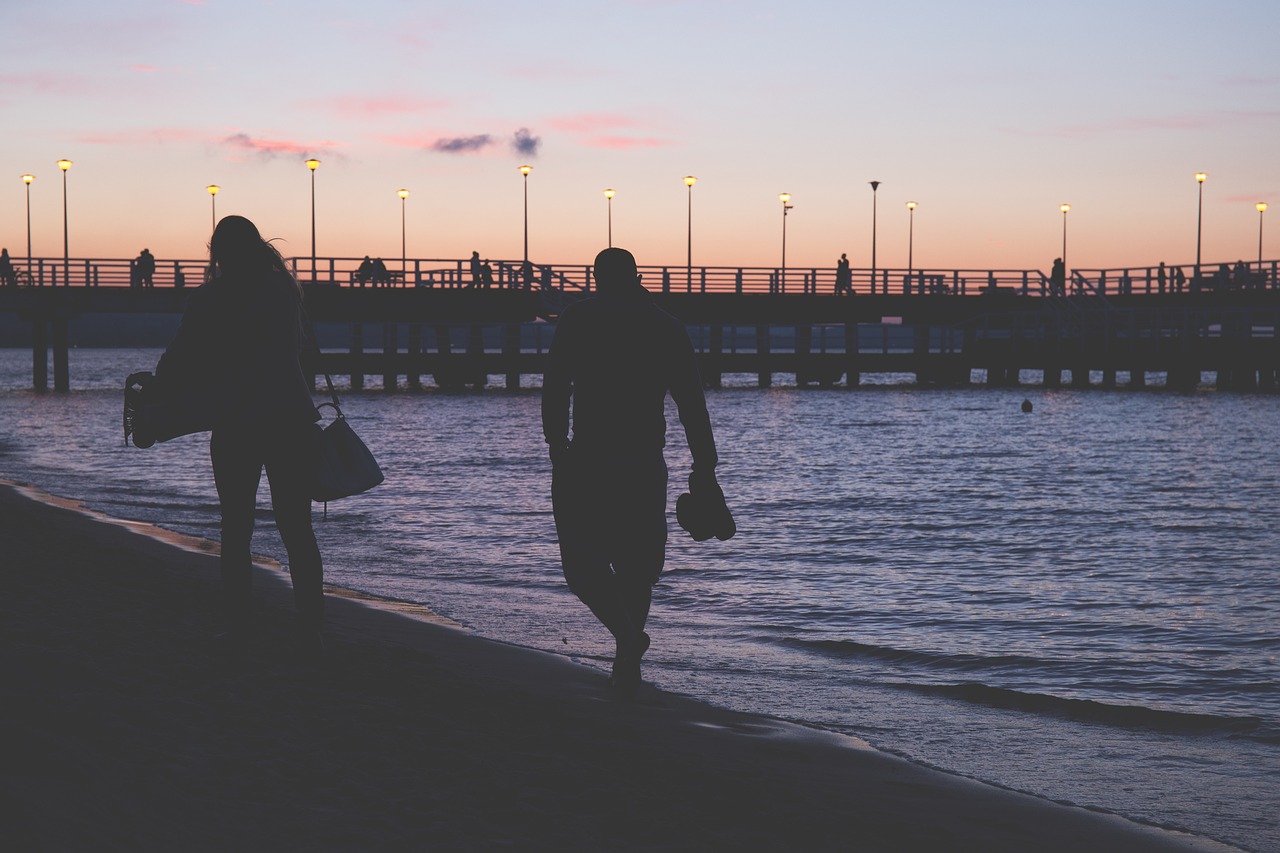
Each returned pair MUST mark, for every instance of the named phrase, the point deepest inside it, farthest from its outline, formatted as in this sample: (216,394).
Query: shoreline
(135,732)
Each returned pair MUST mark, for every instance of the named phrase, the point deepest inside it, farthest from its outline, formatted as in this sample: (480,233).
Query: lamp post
(312,164)
(911,237)
(1200,178)
(404,194)
(689,181)
(525,170)
(64,165)
(785,198)
(875,185)
(27,179)
(1065,208)
(1260,206)
(213,205)
(608,197)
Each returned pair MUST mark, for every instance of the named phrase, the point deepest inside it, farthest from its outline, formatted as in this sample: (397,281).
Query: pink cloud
(244,144)
(362,106)
(142,68)
(622,143)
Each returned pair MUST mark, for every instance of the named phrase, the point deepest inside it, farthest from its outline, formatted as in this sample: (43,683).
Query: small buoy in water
(1026,405)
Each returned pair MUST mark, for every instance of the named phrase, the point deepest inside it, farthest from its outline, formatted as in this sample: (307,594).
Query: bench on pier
(392,279)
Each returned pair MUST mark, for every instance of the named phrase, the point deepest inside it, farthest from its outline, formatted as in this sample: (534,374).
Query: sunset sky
(988,114)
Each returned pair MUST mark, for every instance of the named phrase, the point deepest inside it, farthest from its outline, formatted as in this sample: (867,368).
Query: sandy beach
(126,726)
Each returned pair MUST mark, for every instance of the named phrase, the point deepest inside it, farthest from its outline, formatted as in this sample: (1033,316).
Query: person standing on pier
(145,268)
(8,277)
(615,357)
(239,344)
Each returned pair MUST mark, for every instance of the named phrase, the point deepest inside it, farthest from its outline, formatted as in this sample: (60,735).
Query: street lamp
(404,194)
(27,179)
(911,234)
(1200,178)
(525,170)
(312,164)
(875,185)
(1064,208)
(213,205)
(785,198)
(689,181)
(64,165)
(1261,207)
(608,196)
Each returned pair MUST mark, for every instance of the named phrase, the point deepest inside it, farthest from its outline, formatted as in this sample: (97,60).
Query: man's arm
(557,387)
(691,402)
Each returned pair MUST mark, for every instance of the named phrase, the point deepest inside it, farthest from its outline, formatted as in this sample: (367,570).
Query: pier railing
(576,279)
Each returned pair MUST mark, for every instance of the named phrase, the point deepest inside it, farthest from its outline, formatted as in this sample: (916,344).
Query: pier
(1106,328)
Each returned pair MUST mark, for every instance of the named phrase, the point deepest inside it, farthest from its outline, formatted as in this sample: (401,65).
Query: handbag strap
(315,345)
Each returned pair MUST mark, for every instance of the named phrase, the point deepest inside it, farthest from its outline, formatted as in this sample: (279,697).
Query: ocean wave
(1089,710)
(852,649)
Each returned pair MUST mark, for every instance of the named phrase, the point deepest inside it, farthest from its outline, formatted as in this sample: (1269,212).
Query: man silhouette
(616,357)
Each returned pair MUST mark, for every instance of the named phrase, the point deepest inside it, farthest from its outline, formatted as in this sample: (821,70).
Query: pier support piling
(713,378)
(61,370)
(413,348)
(511,354)
(357,357)
(764,374)
(389,348)
(40,354)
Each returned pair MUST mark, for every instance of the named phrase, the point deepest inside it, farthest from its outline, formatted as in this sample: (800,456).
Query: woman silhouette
(238,343)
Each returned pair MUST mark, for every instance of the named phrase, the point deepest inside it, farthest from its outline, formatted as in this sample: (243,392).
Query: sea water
(1079,602)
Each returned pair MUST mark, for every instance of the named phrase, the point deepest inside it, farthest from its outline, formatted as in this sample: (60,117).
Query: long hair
(237,247)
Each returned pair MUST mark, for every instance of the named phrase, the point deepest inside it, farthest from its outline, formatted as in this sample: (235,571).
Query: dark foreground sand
(124,726)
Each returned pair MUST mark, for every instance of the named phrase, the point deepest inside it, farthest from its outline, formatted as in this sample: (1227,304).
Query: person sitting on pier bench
(616,356)
(364,272)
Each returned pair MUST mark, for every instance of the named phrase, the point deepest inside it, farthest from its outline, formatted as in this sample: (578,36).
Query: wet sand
(125,725)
